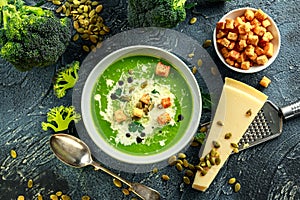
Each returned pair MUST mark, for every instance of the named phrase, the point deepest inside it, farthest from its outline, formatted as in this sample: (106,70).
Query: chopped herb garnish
(118,91)
(155,92)
(135,126)
(206,101)
(200,137)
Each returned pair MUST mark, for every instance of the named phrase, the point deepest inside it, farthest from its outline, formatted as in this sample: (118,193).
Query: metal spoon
(74,152)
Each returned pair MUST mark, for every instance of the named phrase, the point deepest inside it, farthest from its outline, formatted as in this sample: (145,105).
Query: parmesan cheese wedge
(238,105)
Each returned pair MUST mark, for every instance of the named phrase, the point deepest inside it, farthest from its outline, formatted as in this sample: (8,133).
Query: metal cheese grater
(267,124)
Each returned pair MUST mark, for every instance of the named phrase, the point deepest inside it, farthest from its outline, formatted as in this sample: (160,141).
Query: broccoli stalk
(31,36)
(157,13)
(59,118)
(66,79)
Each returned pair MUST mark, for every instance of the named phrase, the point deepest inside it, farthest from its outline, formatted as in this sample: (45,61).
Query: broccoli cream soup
(142,105)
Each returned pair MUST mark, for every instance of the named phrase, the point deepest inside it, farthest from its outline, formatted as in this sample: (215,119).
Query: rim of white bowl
(92,80)
(254,68)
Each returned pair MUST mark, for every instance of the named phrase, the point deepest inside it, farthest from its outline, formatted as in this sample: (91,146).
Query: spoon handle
(98,166)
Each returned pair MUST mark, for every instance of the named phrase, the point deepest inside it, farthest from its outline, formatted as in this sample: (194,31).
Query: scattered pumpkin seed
(13,153)
(85,197)
(181,156)
(186,180)
(220,123)
(234,145)
(237,187)
(155,170)
(59,9)
(185,163)
(85,48)
(207,43)
(39,197)
(53,197)
(203,172)
(193,20)
(21,197)
(228,136)
(56,2)
(235,150)
(58,193)
(179,161)
(191,55)
(216,144)
(194,70)
(199,62)
(30,183)
(198,167)
(191,166)
(214,70)
(232,181)
(208,164)
(194,144)
(99,8)
(165,177)
(75,37)
(249,113)
(125,191)
(172,160)
(212,161)
(218,160)
(179,167)
(189,173)
(117,182)
(65,197)
(213,152)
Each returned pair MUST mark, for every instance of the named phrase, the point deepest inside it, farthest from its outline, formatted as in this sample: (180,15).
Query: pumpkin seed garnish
(218,160)
(30,183)
(237,187)
(220,123)
(181,156)
(199,62)
(125,191)
(186,180)
(117,182)
(234,145)
(249,113)
(216,144)
(235,150)
(165,177)
(207,43)
(232,181)
(179,167)
(228,136)
(13,153)
(172,160)
(193,20)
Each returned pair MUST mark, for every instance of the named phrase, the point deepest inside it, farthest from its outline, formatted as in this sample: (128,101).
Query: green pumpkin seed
(179,167)
(220,123)
(189,173)
(92,13)
(95,3)
(185,163)
(191,166)
(59,9)
(85,197)
(194,70)
(228,136)
(117,182)
(218,161)
(193,20)
(99,8)
(249,113)
(30,183)
(237,187)
(207,43)
(94,38)
(199,62)
(198,167)
(172,160)
(56,2)
(186,180)
(234,145)
(125,191)
(165,177)
(181,155)
(203,172)
(85,48)
(216,144)
(235,150)
(13,153)
(155,170)
(195,144)
(232,181)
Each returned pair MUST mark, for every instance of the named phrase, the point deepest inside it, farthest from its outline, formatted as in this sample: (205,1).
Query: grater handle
(290,111)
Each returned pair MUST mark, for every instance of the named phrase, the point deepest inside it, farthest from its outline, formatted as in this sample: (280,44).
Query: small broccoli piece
(59,118)
(31,36)
(66,79)
(157,13)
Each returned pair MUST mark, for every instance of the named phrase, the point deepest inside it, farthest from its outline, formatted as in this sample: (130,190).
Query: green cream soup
(138,110)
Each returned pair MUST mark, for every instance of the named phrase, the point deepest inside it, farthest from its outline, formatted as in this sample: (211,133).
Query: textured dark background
(268,171)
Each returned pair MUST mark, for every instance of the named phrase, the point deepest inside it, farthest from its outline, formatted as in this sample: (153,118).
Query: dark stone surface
(268,171)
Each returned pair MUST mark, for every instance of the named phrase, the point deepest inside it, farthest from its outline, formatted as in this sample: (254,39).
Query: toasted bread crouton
(137,112)
(244,28)
(119,116)
(231,45)
(243,36)
(242,58)
(265,81)
(234,55)
(224,42)
(249,50)
(164,118)
(269,49)
(259,51)
(266,23)
(145,99)
(238,21)
(229,61)
(260,15)
(267,36)
(253,40)
(221,34)
(166,102)
(245,65)
(225,52)
(162,70)
(253,57)
(229,24)
(255,23)
(259,30)
(232,36)
(249,14)
(261,60)
(220,25)
(242,44)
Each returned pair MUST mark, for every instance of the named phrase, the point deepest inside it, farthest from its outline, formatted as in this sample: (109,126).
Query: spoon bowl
(74,152)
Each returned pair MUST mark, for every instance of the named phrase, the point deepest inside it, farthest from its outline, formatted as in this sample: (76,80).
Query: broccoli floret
(31,36)
(66,79)
(59,118)
(159,13)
